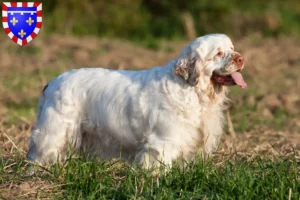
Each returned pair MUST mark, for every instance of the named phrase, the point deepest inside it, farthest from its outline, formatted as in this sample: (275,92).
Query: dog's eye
(220,53)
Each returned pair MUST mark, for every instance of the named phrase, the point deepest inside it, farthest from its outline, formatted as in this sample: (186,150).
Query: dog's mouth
(234,78)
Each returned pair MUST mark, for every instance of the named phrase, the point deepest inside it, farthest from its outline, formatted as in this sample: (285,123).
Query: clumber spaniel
(148,116)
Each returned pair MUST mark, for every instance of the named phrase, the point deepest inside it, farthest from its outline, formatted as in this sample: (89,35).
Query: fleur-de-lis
(14,21)
(29,21)
(22,33)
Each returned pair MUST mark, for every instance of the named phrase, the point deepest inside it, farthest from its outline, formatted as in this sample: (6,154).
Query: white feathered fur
(145,116)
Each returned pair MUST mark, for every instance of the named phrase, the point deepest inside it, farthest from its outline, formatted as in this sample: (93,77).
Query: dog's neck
(209,92)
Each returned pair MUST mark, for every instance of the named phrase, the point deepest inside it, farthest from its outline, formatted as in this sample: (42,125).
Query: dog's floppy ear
(190,62)
(188,65)
(188,70)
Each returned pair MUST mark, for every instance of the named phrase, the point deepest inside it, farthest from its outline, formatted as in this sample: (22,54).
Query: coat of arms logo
(22,21)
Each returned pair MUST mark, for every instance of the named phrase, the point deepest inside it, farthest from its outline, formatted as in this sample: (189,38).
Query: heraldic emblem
(22,21)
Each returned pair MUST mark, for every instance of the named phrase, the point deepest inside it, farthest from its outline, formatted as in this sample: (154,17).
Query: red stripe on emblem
(24,4)
(33,35)
(13,4)
(36,4)
(7,31)
(39,13)
(4,19)
(4,7)
(39,24)
(15,39)
(24,42)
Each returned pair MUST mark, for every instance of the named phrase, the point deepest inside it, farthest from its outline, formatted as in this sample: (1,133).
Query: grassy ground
(261,162)
(233,178)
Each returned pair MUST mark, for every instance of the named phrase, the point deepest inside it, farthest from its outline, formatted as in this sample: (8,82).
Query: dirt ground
(266,115)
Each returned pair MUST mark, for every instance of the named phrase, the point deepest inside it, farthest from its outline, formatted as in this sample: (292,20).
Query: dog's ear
(188,70)
(190,62)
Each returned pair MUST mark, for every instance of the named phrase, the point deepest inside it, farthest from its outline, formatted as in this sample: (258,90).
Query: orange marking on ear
(181,72)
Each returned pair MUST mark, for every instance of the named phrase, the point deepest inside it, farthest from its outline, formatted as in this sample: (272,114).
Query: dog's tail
(40,110)
(42,101)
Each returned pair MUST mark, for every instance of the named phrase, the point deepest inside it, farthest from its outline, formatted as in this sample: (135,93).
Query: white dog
(148,116)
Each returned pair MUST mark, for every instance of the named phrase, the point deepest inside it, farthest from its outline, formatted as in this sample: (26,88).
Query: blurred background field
(139,34)
(148,20)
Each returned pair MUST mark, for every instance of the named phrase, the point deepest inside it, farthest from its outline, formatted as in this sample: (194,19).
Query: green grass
(258,178)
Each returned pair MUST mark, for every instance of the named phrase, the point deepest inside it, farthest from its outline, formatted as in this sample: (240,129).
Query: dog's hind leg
(56,131)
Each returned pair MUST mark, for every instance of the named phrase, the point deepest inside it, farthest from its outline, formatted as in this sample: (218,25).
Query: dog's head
(211,56)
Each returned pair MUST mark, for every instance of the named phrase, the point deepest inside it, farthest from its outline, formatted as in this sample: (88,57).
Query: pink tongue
(238,79)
